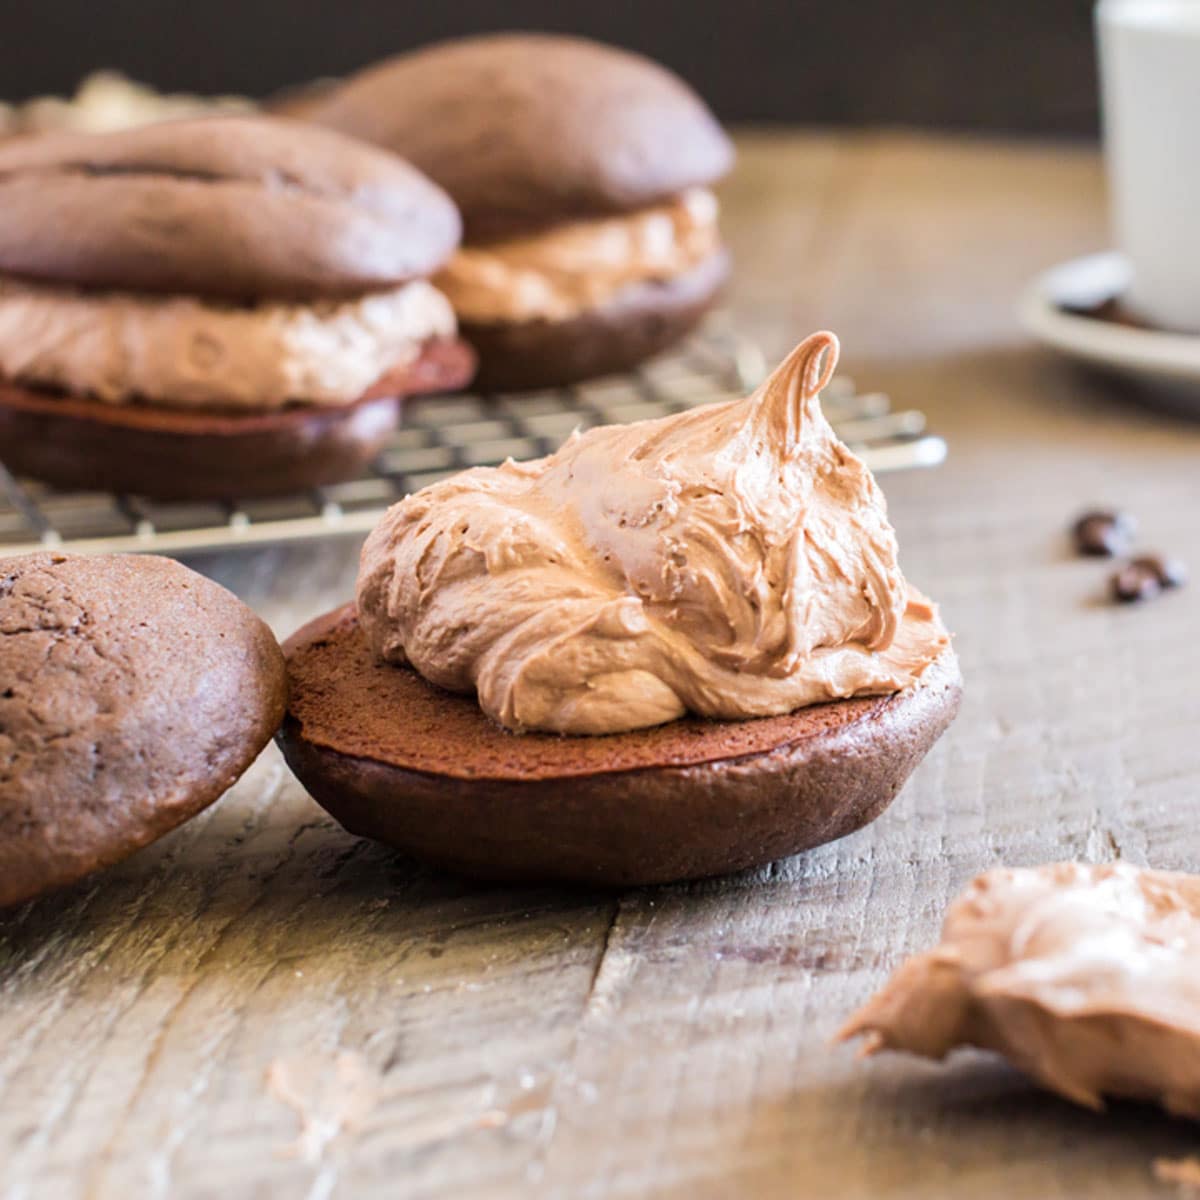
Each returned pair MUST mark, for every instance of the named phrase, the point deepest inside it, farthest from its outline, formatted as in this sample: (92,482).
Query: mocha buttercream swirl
(732,561)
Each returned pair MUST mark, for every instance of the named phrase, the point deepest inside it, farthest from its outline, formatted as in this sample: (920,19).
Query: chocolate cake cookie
(670,649)
(394,758)
(133,692)
(582,173)
(242,300)
(190,454)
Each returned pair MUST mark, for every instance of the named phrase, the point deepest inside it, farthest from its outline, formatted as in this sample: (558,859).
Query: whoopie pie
(133,693)
(670,649)
(215,308)
(582,173)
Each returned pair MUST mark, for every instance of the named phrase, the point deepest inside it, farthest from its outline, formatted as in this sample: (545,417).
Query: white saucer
(1084,283)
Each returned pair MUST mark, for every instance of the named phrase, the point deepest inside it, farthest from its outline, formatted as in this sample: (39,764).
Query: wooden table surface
(262,1005)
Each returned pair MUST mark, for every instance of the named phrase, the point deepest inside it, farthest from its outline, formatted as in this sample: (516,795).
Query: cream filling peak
(557,274)
(731,561)
(1084,976)
(184,352)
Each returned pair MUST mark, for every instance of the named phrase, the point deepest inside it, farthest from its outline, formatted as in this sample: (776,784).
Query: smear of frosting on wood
(328,1097)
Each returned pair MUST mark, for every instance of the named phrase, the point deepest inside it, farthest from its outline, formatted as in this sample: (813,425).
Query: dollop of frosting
(1083,976)
(184,352)
(731,561)
(108,100)
(558,273)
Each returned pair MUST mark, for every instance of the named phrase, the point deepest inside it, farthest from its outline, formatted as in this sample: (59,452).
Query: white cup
(1150,75)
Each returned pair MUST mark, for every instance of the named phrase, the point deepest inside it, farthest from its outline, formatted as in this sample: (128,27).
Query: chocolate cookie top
(233,207)
(524,130)
(133,692)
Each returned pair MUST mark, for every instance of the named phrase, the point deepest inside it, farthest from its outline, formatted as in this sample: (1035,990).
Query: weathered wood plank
(262,1005)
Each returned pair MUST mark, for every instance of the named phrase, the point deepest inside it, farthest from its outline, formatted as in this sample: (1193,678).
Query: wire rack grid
(442,435)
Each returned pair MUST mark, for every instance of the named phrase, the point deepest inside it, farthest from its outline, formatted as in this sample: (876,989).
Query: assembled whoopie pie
(670,649)
(133,692)
(582,173)
(217,307)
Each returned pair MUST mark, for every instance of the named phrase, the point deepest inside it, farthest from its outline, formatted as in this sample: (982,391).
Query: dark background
(1004,65)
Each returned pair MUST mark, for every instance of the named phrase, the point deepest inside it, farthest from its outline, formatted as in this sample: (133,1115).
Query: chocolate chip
(1135,582)
(1170,572)
(1104,532)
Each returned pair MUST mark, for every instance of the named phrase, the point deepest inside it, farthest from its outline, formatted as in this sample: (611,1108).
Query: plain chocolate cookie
(231,207)
(526,130)
(394,758)
(133,692)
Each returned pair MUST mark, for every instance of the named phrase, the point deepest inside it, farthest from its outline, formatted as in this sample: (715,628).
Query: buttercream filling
(181,351)
(557,274)
(731,561)
(1084,976)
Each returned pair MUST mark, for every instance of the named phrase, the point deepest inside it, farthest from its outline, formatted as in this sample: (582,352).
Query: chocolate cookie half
(394,758)
(230,207)
(582,173)
(640,321)
(215,308)
(133,692)
(212,454)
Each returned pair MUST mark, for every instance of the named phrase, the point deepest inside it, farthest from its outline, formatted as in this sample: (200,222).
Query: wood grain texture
(161,1026)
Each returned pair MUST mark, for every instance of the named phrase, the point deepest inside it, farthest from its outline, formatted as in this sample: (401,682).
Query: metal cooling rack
(442,435)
